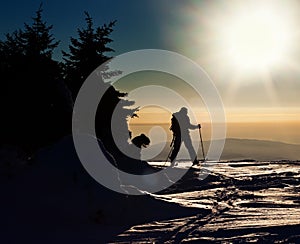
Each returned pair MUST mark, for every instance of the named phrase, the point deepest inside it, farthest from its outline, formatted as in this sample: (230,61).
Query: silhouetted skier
(180,125)
(131,160)
(140,141)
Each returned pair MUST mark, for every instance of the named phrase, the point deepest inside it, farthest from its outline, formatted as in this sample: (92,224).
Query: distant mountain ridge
(239,149)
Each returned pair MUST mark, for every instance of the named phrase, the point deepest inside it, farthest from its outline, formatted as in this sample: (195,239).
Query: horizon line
(247,139)
(227,122)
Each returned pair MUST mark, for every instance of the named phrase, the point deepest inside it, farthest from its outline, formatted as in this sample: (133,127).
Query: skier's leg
(176,148)
(188,144)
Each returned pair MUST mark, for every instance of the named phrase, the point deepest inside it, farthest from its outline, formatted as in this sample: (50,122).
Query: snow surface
(52,199)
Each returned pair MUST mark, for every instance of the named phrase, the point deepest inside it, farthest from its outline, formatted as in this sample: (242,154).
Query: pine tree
(37,39)
(35,100)
(87,52)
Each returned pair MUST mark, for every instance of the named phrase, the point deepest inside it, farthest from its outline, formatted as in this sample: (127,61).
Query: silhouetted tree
(35,101)
(37,39)
(36,104)
(87,52)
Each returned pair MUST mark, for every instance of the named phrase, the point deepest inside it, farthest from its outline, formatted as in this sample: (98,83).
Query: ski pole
(199,126)
(171,146)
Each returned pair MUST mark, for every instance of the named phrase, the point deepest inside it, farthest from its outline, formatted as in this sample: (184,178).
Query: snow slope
(54,200)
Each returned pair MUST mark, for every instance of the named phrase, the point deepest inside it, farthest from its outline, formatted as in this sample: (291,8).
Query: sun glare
(256,41)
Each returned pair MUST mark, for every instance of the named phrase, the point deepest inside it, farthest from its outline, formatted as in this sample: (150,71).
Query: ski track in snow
(248,201)
(55,201)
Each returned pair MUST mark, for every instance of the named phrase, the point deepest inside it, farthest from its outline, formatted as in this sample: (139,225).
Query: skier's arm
(191,126)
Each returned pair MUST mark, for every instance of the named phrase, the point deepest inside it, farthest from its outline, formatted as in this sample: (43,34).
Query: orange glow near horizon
(261,124)
(156,115)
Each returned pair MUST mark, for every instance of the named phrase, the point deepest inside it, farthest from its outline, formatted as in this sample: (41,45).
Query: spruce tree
(35,99)
(37,38)
(87,52)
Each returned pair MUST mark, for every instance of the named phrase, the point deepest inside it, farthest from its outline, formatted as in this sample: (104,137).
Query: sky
(249,49)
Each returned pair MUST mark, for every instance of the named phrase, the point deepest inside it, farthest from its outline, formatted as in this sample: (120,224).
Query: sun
(255,41)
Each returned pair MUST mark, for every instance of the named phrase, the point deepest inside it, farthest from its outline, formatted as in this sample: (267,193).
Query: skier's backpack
(175,128)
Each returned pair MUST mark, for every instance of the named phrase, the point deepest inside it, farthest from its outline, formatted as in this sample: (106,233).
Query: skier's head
(141,141)
(183,110)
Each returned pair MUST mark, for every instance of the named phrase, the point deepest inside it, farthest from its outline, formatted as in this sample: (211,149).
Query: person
(140,141)
(180,126)
(131,159)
